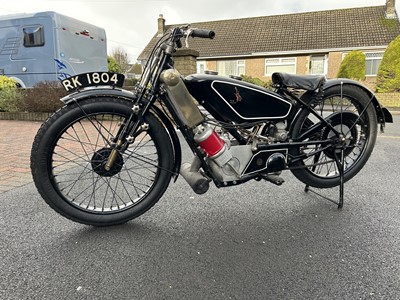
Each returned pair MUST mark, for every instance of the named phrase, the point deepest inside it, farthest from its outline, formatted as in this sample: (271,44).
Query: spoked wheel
(69,163)
(354,117)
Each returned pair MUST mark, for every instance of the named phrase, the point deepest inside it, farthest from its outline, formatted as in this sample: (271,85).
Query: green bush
(113,66)
(388,77)
(10,94)
(130,81)
(257,81)
(43,97)
(7,83)
(353,66)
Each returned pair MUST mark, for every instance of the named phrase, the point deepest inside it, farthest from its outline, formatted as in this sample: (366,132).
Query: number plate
(92,79)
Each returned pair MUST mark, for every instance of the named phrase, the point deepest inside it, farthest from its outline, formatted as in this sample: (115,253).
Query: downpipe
(196,180)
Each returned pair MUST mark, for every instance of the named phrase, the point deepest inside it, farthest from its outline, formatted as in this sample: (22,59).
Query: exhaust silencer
(194,178)
(182,100)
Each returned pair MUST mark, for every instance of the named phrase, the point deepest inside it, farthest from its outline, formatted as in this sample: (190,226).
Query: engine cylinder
(212,144)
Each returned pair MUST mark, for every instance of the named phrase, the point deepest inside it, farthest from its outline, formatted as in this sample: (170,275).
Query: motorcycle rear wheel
(69,154)
(349,103)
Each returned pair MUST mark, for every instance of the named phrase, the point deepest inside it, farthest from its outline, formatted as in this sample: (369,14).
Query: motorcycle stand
(340,166)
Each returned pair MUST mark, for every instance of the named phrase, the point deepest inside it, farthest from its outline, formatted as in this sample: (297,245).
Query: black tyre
(354,116)
(68,157)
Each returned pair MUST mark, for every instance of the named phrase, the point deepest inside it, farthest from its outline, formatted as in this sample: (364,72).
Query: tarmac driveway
(254,241)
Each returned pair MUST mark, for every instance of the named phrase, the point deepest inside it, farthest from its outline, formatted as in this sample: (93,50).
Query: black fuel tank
(235,100)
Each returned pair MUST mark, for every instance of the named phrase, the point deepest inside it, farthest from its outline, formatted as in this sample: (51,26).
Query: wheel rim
(354,133)
(78,159)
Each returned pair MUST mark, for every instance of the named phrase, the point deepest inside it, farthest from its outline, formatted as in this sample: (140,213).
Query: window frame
(373,58)
(325,56)
(37,35)
(239,63)
(280,63)
(199,65)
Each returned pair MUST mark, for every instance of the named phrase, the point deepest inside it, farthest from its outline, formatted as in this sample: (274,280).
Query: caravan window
(33,36)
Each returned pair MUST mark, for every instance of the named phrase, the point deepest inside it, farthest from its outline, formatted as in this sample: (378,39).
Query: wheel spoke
(323,164)
(77,163)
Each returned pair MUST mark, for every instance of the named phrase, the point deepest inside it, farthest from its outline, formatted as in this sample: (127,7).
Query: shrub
(353,66)
(257,81)
(10,94)
(130,81)
(113,66)
(43,97)
(388,77)
(7,83)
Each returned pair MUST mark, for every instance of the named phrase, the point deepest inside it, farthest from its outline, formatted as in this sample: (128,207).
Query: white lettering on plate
(71,83)
(89,80)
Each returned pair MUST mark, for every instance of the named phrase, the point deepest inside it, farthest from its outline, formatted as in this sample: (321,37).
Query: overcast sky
(131,23)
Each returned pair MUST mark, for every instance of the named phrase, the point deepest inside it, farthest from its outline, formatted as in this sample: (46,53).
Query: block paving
(16,138)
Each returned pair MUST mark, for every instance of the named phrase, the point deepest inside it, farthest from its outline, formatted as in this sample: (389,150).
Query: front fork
(113,155)
(127,134)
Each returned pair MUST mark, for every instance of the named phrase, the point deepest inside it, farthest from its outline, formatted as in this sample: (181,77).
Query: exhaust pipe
(193,177)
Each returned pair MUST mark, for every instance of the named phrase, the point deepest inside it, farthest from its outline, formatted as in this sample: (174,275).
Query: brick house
(303,43)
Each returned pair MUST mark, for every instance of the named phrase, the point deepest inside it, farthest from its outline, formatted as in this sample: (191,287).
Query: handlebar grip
(203,33)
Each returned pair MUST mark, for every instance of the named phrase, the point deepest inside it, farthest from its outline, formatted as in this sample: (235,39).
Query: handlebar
(162,52)
(202,33)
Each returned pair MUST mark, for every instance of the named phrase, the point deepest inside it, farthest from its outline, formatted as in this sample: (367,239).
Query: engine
(231,161)
(227,161)
(256,113)
(275,132)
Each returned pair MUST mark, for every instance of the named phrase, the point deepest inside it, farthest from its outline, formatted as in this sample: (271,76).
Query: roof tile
(331,29)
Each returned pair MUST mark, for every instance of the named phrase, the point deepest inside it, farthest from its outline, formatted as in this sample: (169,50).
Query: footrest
(275,179)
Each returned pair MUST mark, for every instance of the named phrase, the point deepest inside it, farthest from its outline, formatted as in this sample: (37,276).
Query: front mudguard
(130,97)
(384,116)
(98,92)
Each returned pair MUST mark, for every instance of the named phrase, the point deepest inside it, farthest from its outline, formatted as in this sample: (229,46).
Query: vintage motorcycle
(108,155)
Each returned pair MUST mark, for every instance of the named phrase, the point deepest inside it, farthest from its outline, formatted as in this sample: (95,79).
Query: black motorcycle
(109,154)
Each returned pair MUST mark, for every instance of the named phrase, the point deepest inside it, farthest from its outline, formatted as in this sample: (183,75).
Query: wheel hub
(99,161)
(347,137)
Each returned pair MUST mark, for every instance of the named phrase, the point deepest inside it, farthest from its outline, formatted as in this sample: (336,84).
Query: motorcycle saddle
(304,82)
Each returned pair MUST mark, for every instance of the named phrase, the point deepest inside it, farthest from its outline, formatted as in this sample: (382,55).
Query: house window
(372,62)
(284,64)
(231,67)
(240,68)
(201,66)
(318,65)
(33,36)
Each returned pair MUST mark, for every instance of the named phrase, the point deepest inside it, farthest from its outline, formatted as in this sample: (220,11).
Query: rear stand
(340,166)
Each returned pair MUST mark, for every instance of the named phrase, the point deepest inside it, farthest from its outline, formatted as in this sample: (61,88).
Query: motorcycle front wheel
(68,160)
(353,115)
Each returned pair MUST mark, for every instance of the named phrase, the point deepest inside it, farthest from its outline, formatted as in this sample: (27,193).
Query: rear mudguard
(130,97)
(384,116)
